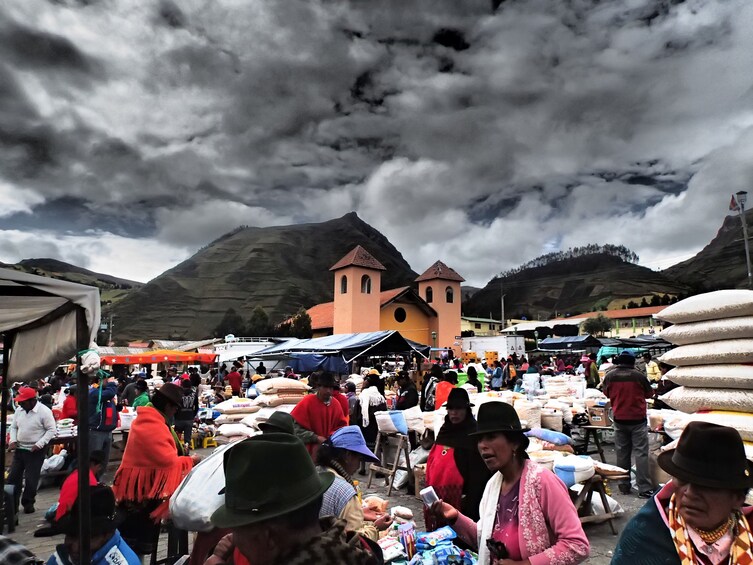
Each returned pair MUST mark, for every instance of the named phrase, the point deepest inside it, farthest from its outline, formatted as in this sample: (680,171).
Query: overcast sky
(133,132)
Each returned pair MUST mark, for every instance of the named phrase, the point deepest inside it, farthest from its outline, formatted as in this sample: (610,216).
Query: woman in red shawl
(455,468)
(153,465)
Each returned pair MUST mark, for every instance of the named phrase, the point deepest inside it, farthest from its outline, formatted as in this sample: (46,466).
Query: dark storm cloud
(459,132)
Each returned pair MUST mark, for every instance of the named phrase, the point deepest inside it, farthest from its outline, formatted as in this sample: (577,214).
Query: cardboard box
(599,416)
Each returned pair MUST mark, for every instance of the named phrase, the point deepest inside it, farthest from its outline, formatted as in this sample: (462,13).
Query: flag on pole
(733,204)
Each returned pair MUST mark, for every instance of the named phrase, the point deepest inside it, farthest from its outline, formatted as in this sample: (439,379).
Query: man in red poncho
(154,464)
(318,415)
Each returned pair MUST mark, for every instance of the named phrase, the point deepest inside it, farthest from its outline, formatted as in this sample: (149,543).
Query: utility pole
(742,197)
(502,303)
(109,339)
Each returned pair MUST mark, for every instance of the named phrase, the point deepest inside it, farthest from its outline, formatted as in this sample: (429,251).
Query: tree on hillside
(573,252)
(598,325)
(300,326)
(231,323)
(258,323)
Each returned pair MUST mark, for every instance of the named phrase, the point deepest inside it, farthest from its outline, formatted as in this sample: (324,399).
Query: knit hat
(625,358)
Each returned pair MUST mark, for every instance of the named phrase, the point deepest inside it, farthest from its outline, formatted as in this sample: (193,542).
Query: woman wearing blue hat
(342,454)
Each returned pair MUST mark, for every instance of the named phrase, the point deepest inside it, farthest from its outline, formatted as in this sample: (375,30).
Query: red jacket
(343,400)
(69,409)
(234,379)
(69,493)
(628,390)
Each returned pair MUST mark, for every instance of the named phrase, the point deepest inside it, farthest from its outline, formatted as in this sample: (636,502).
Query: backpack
(431,394)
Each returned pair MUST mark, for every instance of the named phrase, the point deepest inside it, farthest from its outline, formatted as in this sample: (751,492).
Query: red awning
(159,356)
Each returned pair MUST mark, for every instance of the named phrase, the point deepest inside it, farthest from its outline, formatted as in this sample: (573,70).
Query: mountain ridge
(279,268)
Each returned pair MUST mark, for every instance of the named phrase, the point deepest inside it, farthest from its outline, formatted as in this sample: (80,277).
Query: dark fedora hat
(709,455)
(458,398)
(104,517)
(172,392)
(497,417)
(280,422)
(325,379)
(267,476)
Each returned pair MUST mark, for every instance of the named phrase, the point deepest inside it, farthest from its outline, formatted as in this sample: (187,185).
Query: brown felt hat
(172,392)
(709,455)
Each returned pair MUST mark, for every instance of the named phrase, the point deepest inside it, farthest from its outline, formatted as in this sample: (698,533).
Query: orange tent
(159,356)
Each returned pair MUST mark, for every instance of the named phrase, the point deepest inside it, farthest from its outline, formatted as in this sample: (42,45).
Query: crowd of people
(302,505)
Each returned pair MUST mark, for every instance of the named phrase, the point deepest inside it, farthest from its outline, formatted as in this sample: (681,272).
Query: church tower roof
(358,257)
(440,271)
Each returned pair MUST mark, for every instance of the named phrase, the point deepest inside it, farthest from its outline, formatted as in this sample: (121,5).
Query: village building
(481,327)
(428,313)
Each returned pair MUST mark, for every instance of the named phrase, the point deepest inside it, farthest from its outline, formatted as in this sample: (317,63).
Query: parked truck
(502,345)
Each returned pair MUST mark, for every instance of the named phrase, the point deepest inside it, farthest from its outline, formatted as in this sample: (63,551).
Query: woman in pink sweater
(526,515)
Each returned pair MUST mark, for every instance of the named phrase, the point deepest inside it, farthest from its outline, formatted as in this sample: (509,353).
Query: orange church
(429,314)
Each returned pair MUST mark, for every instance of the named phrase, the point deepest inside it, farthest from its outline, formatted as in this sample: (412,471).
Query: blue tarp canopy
(346,346)
(571,343)
(310,362)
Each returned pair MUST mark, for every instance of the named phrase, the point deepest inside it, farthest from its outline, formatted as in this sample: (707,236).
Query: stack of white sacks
(714,334)
(232,413)
(239,417)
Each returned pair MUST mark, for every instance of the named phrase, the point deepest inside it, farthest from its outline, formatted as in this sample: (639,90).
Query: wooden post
(7,341)
(82,401)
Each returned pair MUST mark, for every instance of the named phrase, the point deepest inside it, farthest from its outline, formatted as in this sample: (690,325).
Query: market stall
(344,348)
(44,322)
(572,343)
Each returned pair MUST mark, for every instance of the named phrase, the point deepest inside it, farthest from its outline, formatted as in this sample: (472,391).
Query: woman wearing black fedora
(455,468)
(526,515)
(698,517)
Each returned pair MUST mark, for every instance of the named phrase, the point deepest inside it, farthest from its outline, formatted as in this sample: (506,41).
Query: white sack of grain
(709,330)
(713,376)
(690,400)
(709,306)
(711,353)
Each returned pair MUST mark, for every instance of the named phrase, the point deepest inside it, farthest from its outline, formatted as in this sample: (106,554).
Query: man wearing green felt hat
(273,494)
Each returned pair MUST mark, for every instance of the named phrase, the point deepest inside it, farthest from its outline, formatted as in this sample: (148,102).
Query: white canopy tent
(40,312)
(531,326)
(45,322)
